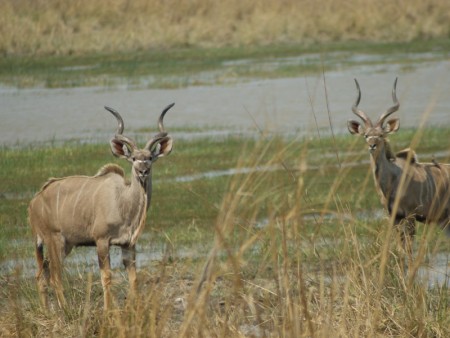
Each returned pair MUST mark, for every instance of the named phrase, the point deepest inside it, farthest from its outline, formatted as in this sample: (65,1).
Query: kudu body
(409,190)
(101,211)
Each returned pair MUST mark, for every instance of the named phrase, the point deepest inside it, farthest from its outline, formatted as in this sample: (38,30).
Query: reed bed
(282,249)
(78,27)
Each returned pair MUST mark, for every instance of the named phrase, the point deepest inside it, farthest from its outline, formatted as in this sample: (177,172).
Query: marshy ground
(298,237)
(264,182)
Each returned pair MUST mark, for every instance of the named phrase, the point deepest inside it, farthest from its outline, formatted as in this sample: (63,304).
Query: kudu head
(141,159)
(374,134)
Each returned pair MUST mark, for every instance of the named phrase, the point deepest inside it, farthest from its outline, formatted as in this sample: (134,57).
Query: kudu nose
(144,172)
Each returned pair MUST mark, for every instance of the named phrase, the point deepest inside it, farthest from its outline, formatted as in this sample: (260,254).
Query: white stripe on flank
(78,198)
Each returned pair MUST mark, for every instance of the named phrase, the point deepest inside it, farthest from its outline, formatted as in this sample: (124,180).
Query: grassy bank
(299,244)
(154,44)
(180,67)
(80,27)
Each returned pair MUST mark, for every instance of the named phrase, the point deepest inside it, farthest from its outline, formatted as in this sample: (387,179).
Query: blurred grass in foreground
(287,257)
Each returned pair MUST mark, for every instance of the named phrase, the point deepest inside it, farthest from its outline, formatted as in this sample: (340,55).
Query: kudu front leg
(129,261)
(56,256)
(105,271)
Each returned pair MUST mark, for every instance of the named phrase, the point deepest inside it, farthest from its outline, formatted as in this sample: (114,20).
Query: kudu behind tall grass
(101,211)
(409,190)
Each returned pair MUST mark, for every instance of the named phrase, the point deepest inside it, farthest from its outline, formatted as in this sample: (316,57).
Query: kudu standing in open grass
(409,190)
(101,211)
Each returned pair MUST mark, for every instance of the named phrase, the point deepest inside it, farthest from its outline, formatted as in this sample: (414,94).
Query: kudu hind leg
(43,273)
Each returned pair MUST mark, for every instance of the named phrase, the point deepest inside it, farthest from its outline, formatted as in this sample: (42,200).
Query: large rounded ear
(121,149)
(354,127)
(162,147)
(392,125)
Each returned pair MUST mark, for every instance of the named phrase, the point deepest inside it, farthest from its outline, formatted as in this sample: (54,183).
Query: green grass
(286,249)
(198,66)
(197,202)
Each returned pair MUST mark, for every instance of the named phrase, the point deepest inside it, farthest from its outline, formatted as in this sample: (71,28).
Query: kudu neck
(144,187)
(385,171)
(384,152)
(147,185)
(390,155)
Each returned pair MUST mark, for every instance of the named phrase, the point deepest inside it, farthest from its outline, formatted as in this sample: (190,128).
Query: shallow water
(277,105)
(433,273)
(289,105)
(436,272)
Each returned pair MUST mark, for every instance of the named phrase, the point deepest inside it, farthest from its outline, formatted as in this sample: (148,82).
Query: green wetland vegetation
(180,67)
(303,247)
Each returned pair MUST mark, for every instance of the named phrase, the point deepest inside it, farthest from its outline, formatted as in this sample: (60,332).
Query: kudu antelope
(101,211)
(409,190)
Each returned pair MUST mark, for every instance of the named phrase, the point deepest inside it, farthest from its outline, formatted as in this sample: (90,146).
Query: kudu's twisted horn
(162,132)
(120,127)
(161,117)
(392,109)
(358,112)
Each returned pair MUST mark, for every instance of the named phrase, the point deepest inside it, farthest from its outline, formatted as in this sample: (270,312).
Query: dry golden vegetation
(85,26)
(287,258)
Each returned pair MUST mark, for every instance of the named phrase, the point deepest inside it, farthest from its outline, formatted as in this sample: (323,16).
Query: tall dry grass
(279,280)
(84,26)
(272,271)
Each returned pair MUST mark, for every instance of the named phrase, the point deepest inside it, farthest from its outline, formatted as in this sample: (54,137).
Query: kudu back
(100,210)
(408,189)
